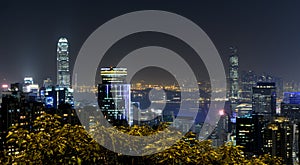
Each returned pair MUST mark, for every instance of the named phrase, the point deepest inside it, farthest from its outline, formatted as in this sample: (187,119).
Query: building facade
(114,96)
(264,99)
(63,68)
(248,81)
(249,133)
(17,107)
(278,139)
(233,75)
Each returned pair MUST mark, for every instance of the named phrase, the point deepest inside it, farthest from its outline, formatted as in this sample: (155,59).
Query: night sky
(267,34)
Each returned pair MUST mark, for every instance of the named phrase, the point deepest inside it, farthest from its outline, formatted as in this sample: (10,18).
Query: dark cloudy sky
(267,33)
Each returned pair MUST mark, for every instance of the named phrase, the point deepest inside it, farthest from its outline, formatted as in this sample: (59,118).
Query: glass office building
(114,96)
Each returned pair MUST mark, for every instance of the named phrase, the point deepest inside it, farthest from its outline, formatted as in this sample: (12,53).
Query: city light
(254,110)
(4,86)
(221,112)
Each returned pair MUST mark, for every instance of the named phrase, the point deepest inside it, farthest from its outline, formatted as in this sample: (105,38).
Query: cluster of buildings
(22,102)
(257,115)
(260,116)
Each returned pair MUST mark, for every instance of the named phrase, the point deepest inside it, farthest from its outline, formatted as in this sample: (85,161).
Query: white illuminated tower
(63,71)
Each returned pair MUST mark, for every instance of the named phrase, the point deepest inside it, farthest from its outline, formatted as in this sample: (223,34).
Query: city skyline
(265,33)
(248,100)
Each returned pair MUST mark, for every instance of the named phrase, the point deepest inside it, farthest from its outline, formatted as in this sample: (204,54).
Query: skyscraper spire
(63,71)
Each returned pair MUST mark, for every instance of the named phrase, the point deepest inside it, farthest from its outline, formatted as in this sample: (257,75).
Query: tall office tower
(278,139)
(249,133)
(233,75)
(248,80)
(114,96)
(290,108)
(63,70)
(233,93)
(264,99)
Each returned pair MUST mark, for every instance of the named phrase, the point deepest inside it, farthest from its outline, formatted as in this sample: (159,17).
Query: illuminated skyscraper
(62,93)
(233,76)
(290,108)
(114,96)
(233,93)
(248,80)
(249,133)
(264,99)
(278,139)
(63,70)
